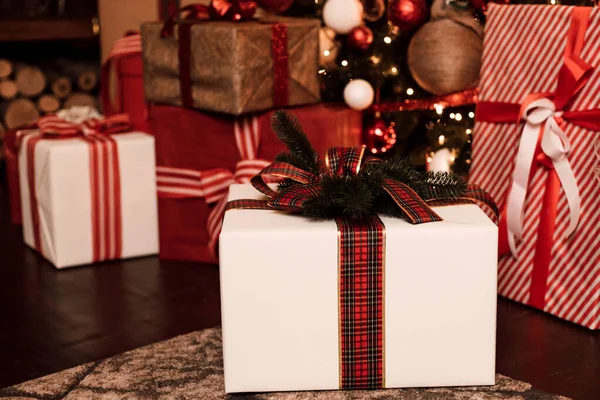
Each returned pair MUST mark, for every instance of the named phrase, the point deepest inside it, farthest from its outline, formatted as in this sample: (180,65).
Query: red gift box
(199,155)
(537,122)
(123,82)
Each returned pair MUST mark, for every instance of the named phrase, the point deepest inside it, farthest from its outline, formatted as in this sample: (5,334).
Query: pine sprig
(301,153)
(357,196)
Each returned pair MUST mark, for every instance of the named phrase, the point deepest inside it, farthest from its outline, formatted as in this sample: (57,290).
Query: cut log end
(20,112)
(6,68)
(8,89)
(80,99)
(30,81)
(62,87)
(87,80)
(48,103)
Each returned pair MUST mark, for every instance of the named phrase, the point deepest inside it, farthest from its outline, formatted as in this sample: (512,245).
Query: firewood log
(80,99)
(30,80)
(20,112)
(8,89)
(6,68)
(48,103)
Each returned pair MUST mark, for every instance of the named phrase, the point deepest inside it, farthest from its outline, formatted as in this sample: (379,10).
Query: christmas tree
(411,65)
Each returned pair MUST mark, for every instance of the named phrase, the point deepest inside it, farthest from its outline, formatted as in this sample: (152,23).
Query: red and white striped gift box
(525,53)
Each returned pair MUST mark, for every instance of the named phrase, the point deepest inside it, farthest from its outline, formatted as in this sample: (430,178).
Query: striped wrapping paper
(523,52)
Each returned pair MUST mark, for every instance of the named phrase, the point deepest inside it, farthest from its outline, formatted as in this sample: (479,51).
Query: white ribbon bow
(540,114)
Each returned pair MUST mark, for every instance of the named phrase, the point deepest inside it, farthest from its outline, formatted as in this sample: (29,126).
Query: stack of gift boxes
(317,304)
(205,91)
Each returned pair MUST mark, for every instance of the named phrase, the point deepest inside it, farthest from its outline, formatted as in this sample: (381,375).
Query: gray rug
(191,367)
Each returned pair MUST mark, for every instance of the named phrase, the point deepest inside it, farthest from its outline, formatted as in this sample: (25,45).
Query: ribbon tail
(518,193)
(569,184)
(215,223)
(283,170)
(415,209)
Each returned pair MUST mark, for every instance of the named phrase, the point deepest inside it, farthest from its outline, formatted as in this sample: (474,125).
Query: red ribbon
(457,99)
(104,177)
(213,185)
(572,77)
(234,11)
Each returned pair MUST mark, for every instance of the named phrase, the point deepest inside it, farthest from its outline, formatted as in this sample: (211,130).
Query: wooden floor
(52,320)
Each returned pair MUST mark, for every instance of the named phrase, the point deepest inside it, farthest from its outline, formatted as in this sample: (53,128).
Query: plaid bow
(347,161)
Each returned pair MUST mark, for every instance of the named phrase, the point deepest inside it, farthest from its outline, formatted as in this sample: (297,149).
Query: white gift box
(64,197)
(279,299)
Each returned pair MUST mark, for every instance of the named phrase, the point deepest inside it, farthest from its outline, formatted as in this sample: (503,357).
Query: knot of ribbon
(213,185)
(217,10)
(347,162)
(53,126)
(543,141)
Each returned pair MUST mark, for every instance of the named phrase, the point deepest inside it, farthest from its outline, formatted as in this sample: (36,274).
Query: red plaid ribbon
(213,185)
(361,252)
(104,176)
(361,256)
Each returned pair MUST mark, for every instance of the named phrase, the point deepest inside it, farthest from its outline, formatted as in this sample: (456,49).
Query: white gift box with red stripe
(533,151)
(85,202)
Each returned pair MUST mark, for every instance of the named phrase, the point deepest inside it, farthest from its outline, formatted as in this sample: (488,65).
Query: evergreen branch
(288,130)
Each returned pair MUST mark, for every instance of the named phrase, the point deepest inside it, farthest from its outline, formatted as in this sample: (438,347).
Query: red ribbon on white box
(213,184)
(105,181)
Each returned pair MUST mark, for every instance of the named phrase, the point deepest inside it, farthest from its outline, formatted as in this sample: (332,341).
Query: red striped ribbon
(107,241)
(130,44)
(213,185)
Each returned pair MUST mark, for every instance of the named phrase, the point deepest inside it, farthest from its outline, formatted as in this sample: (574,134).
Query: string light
(469,131)
(394,70)
(410,91)
(387,39)
(344,63)
(452,115)
(322,72)
(441,139)
(458,116)
(375,60)
(326,53)
(471,114)
(439,109)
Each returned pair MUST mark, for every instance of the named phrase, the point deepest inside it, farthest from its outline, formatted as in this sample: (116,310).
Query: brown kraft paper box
(231,64)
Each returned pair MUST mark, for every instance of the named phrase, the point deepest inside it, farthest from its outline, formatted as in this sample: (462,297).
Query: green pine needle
(301,153)
(361,195)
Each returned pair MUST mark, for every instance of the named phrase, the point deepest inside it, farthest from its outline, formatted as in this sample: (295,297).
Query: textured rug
(191,367)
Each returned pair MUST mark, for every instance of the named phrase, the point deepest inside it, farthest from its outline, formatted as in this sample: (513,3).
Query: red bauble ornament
(408,15)
(379,136)
(360,37)
(275,6)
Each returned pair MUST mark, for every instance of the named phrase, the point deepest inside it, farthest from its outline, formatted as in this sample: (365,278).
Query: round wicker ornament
(444,56)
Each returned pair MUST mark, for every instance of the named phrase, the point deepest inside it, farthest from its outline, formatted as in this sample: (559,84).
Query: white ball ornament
(343,15)
(359,94)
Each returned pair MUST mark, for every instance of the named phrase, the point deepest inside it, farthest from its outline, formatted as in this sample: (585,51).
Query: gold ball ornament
(444,56)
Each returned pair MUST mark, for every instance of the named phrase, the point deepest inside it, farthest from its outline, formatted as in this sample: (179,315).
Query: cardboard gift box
(233,67)
(88,190)
(200,154)
(281,279)
(533,150)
